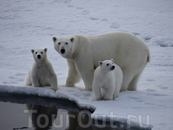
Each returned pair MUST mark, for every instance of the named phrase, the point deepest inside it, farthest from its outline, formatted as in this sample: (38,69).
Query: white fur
(83,53)
(108,78)
(42,72)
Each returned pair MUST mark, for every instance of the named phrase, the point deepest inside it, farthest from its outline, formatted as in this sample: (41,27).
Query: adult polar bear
(83,53)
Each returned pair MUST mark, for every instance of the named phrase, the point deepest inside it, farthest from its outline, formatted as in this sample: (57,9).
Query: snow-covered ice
(27,24)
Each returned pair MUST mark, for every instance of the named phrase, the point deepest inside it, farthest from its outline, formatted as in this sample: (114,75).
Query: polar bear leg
(54,82)
(116,94)
(28,79)
(97,92)
(109,93)
(133,84)
(86,74)
(35,82)
(127,78)
(73,75)
(116,91)
(87,77)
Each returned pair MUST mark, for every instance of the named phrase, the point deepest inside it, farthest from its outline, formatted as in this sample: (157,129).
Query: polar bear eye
(35,52)
(107,64)
(66,43)
(41,52)
(59,43)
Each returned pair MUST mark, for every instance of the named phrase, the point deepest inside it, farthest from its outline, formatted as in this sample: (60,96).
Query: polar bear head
(39,54)
(64,46)
(107,65)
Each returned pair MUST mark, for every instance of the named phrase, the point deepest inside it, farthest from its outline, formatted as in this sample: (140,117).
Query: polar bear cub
(42,72)
(108,78)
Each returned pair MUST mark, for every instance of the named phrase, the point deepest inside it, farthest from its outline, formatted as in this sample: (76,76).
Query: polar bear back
(116,46)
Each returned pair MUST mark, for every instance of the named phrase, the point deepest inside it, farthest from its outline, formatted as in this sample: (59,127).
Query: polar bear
(108,78)
(83,53)
(42,72)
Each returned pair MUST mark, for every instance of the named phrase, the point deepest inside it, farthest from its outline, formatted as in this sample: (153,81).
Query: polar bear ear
(112,60)
(100,63)
(32,51)
(72,39)
(45,49)
(54,39)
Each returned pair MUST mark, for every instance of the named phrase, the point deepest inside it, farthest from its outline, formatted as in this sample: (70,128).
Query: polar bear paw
(55,89)
(98,99)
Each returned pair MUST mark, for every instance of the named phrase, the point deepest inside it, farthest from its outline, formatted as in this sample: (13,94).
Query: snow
(27,24)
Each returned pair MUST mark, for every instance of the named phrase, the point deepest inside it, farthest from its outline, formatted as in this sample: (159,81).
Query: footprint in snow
(104,20)
(85,12)
(158,94)
(135,99)
(93,18)
(115,25)
(135,33)
(150,90)
(70,6)
(79,7)
(63,1)
(11,77)
(19,74)
(147,38)
(162,87)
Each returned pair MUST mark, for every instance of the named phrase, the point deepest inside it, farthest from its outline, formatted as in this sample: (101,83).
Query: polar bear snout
(62,51)
(39,56)
(112,68)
